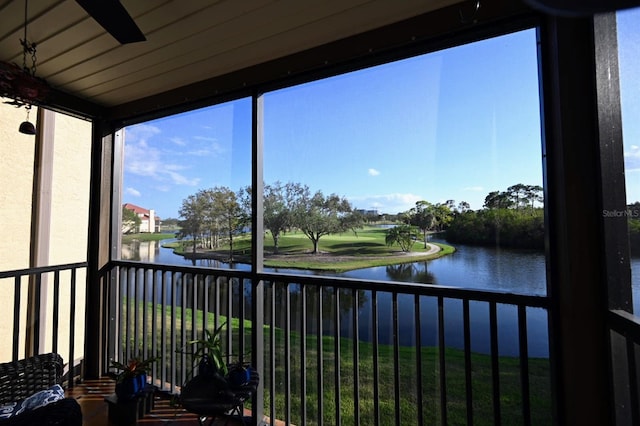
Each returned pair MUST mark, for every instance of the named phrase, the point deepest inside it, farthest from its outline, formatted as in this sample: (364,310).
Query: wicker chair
(25,377)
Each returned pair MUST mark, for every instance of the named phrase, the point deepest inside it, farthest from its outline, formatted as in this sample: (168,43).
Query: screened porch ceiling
(192,43)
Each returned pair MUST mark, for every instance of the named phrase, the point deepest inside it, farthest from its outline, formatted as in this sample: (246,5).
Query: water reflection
(410,272)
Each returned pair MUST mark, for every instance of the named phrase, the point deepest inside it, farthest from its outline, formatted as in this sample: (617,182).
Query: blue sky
(454,124)
(629,54)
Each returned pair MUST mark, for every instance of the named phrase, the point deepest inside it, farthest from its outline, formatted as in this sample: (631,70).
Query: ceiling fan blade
(114,18)
(581,7)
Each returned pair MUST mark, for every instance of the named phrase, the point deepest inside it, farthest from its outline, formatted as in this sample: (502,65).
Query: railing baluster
(124,325)
(154,321)
(194,305)
(145,311)
(633,381)
(138,279)
(441,362)
(174,294)
(36,317)
(16,317)
(524,364)
(216,297)
(376,368)
(303,354)
(336,353)
(356,357)
(72,327)
(56,311)
(205,302)
(272,354)
(320,357)
(418,339)
(467,360)
(287,354)
(229,347)
(163,331)
(396,356)
(241,315)
(186,361)
(495,363)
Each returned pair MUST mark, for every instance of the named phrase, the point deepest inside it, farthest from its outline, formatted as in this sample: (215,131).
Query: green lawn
(145,236)
(341,252)
(509,367)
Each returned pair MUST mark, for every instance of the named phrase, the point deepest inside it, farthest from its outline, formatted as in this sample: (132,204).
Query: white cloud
(199,152)
(133,192)
(143,159)
(179,179)
(141,132)
(373,172)
(206,138)
(632,159)
(386,203)
(179,141)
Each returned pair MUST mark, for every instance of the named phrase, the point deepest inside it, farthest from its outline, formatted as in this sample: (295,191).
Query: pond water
(512,271)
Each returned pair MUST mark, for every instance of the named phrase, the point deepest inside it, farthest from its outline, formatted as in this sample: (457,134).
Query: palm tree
(403,235)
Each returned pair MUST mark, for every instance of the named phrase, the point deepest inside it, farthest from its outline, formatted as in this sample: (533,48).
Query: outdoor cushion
(37,400)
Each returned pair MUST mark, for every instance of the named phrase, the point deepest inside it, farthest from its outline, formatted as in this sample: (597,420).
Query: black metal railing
(46,303)
(624,333)
(343,351)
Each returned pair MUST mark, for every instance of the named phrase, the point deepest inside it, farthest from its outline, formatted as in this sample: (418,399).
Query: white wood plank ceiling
(187,40)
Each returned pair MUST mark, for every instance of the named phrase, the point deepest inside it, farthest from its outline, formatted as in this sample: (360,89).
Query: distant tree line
(214,217)
(512,218)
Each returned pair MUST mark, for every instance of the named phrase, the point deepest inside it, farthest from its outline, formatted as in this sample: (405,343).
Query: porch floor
(90,395)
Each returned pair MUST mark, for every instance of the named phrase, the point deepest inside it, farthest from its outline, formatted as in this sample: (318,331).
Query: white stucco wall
(16,180)
(68,220)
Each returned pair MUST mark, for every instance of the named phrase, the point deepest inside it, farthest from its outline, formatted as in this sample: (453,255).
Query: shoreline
(328,261)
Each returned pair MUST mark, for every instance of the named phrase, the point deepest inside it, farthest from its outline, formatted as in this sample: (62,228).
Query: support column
(40,227)
(576,269)
(98,248)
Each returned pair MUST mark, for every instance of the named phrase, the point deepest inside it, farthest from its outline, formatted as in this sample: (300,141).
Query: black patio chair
(214,397)
(23,378)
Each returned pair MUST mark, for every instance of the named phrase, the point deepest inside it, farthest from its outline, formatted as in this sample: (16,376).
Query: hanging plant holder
(20,84)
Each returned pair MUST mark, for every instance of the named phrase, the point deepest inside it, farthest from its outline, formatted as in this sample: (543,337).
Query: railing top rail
(412,288)
(625,323)
(535,301)
(42,269)
(183,269)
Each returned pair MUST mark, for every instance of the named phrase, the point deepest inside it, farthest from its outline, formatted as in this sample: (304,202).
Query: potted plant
(211,371)
(209,354)
(132,377)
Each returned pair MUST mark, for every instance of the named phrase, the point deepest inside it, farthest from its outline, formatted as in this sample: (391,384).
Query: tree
(534,194)
(403,235)
(497,200)
(443,215)
(318,215)
(170,223)
(192,213)
(227,208)
(463,206)
(279,204)
(424,217)
(130,221)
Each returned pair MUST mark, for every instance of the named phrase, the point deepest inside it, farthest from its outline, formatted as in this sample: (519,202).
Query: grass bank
(365,248)
(343,392)
(145,236)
